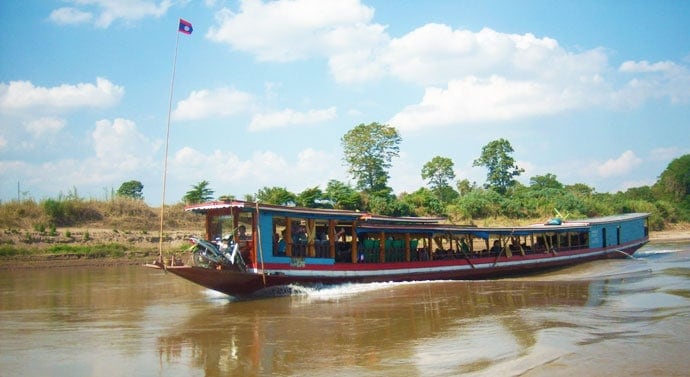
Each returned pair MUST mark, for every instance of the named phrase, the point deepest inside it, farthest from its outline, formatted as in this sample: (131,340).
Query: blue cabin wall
(265,246)
(618,232)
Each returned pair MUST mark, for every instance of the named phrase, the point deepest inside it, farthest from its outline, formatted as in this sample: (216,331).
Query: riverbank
(141,249)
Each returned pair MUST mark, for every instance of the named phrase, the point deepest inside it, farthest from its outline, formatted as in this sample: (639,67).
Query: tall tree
(674,182)
(199,193)
(438,172)
(131,189)
(369,150)
(502,168)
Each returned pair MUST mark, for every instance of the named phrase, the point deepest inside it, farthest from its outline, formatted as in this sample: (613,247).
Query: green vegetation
(83,251)
(131,189)
(199,193)
(369,150)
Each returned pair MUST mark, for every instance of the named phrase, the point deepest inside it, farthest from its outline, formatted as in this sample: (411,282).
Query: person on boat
(243,236)
(496,248)
(301,234)
(282,244)
(464,248)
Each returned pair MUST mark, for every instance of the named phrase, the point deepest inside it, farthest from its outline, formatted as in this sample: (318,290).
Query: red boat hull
(238,283)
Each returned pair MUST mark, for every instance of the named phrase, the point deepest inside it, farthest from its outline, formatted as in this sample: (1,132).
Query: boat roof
(390,224)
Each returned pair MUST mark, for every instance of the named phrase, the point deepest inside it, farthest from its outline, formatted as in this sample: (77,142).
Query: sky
(594,92)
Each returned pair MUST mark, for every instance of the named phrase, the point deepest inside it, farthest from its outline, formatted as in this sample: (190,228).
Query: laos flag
(185,27)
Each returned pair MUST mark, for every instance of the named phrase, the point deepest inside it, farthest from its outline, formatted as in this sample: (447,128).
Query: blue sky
(595,92)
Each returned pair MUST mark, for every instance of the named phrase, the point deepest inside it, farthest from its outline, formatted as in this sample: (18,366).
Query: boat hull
(238,283)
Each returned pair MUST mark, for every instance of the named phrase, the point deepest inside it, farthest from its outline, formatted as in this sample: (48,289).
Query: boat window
(313,238)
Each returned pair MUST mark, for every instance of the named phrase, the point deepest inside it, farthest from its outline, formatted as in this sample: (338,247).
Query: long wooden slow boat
(250,246)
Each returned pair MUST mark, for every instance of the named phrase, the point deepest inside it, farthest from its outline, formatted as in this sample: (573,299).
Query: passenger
(496,248)
(463,246)
(243,236)
(282,244)
(301,234)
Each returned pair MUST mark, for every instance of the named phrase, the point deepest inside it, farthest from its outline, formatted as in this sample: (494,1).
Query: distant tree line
(370,148)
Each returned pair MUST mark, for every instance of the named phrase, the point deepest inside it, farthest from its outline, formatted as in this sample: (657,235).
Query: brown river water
(627,317)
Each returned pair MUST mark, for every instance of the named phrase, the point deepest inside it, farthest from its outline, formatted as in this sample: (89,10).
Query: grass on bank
(112,250)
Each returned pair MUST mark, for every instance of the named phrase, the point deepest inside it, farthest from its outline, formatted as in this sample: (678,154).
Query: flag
(185,27)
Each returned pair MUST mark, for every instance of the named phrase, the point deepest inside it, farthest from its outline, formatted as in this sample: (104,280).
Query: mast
(186,28)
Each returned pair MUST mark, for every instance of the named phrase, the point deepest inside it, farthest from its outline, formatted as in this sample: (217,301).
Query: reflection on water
(130,320)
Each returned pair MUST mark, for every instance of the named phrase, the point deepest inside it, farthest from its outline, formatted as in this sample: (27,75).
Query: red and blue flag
(185,27)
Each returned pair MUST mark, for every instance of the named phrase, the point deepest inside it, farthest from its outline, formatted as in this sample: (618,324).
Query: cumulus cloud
(645,66)
(653,80)
(104,12)
(120,153)
(69,16)
(25,96)
(289,117)
(120,146)
(476,100)
(466,76)
(231,172)
(289,30)
(45,125)
(619,166)
(221,102)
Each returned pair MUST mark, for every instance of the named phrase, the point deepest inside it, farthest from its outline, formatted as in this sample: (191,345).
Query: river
(624,317)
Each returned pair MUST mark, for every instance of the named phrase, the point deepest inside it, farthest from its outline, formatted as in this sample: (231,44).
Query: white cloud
(46,125)
(478,100)
(619,166)
(644,66)
(289,30)
(120,146)
(69,16)
(3,142)
(231,174)
(654,80)
(467,76)
(665,154)
(109,11)
(120,153)
(221,102)
(25,96)
(289,117)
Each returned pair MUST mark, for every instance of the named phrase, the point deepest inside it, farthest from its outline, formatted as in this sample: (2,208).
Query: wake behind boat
(250,246)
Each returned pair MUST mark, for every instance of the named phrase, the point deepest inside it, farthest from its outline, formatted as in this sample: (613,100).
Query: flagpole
(165,159)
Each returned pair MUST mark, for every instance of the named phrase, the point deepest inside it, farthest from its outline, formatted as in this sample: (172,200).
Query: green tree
(227,198)
(502,168)
(312,198)
(439,173)
(424,202)
(131,189)
(343,196)
(276,195)
(199,193)
(368,151)
(464,186)
(581,189)
(674,182)
(549,180)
